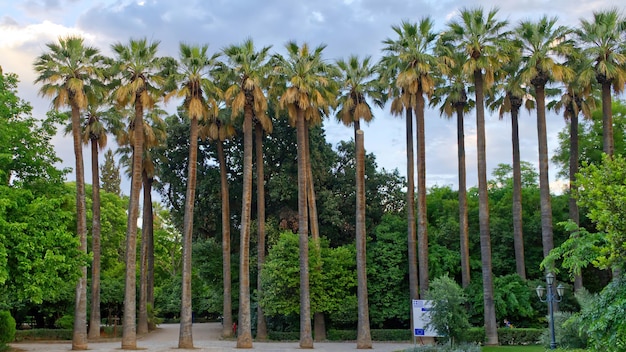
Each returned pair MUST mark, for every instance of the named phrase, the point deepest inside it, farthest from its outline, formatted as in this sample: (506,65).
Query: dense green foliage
(7,327)
(448,315)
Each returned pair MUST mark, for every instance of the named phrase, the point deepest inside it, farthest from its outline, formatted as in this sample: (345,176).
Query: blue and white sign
(421,319)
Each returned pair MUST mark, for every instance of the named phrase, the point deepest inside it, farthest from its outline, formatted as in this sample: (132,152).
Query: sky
(347,27)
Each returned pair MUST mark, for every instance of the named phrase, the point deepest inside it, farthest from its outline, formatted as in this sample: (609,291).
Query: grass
(534,348)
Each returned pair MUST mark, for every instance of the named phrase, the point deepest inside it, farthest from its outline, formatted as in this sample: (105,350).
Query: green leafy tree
(333,289)
(448,315)
(110,174)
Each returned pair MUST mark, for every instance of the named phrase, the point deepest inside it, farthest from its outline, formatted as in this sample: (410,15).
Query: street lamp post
(551,297)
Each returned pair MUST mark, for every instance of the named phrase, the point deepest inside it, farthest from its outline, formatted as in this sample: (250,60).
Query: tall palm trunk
(319,324)
(306,339)
(410,207)
(142,319)
(422,225)
(244,335)
(227,320)
(463,221)
(94,319)
(544,185)
(364,338)
(185,337)
(518,236)
(607,119)
(79,335)
(573,170)
(483,214)
(148,236)
(129,330)
(261,330)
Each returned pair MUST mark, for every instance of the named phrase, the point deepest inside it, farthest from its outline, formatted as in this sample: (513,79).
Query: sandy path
(206,337)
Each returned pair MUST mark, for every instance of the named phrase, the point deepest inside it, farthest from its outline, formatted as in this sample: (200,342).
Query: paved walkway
(206,337)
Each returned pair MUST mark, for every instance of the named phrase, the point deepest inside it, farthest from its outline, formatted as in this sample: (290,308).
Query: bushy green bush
(65,322)
(7,328)
(506,336)
(565,332)
(448,315)
(519,336)
(284,335)
(603,318)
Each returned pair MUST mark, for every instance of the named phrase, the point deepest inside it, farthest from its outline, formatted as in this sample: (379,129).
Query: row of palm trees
(476,53)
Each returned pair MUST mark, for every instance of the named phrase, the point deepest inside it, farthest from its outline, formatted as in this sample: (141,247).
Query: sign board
(421,319)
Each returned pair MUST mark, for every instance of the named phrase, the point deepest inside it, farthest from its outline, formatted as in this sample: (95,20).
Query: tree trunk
(422,222)
(148,231)
(185,337)
(142,319)
(79,335)
(491,331)
(306,340)
(261,326)
(518,235)
(227,318)
(607,119)
(364,338)
(463,222)
(94,319)
(244,334)
(544,182)
(573,170)
(129,330)
(410,208)
(319,322)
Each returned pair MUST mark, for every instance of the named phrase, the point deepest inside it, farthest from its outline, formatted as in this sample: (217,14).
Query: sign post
(421,319)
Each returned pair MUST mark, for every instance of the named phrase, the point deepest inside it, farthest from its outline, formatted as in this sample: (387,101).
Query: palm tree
(199,104)
(410,56)
(154,135)
(250,70)
(451,96)
(220,129)
(69,73)
(357,85)
(308,95)
(508,97)
(481,37)
(603,43)
(541,42)
(140,84)
(95,133)
(577,99)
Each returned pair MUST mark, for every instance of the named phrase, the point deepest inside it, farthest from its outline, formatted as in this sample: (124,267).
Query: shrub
(448,315)
(43,334)
(7,328)
(65,322)
(507,336)
(377,335)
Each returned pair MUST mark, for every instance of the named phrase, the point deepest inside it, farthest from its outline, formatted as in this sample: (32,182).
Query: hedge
(43,334)
(507,336)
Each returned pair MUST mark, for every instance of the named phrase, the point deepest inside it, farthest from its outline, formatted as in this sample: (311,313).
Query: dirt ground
(206,337)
